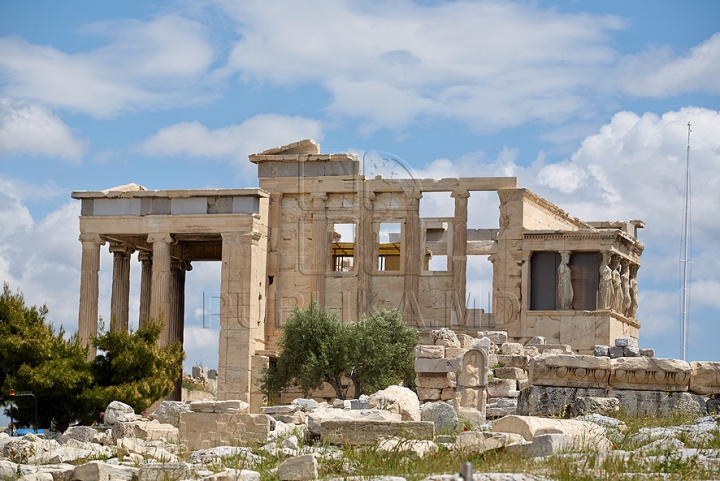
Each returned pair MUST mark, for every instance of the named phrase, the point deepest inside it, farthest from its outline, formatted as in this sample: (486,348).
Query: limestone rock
(361,432)
(149,431)
(626,342)
(300,468)
(650,374)
(705,377)
(444,337)
(510,373)
(482,441)
(84,434)
(519,360)
(429,393)
(501,387)
(607,406)
(585,434)
(100,471)
(643,403)
(552,401)
(433,380)
(430,352)
(117,411)
(536,341)
(168,412)
(570,371)
(414,446)
(466,342)
(616,352)
(442,415)
(163,471)
(554,349)
(397,399)
(549,445)
(306,404)
(648,352)
(497,337)
(319,417)
(601,351)
(631,351)
(511,348)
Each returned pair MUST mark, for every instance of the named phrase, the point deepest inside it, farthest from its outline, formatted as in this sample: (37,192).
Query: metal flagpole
(685,261)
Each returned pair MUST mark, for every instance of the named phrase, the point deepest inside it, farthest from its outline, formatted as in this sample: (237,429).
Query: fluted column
(161,278)
(459,254)
(413,259)
(145,259)
(365,248)
(176,316)
(320,237)
(89,289)
(120,300)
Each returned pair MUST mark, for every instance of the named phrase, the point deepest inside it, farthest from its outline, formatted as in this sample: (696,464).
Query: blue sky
(586,102)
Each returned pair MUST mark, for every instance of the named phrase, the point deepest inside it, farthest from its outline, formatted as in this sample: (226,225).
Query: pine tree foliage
(316,347)
(36,358)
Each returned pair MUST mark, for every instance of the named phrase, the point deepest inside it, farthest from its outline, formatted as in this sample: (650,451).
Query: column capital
(121,248)
(92,239)
(144,256)
(161,237)
(460,194)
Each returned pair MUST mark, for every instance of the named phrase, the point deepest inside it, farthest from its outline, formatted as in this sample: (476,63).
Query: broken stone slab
(298,417)
(229,474)
(510,373)
(430,393)
(306,404)
(497,337)
(83,434)
(319,417)
(360,432)
(641,403)
(536,341)
(229,406)
(117,411)
(647,352)
(585,434)
(631,351)
(442,415)
(519,360)
(466,342)
(150,431)
(552,401)
(100,471)
(616,352)
(56,472)
(554,348)
(168,412)
(570,371)
(482,441)
(705,377)
(607,406)
(208,456)
(650,374)
(454,352)
(419,448)
(207,430)
(429,351)
(163,471)
(423,365)
(397,399)
(286,409)
(300,468)
(549,445)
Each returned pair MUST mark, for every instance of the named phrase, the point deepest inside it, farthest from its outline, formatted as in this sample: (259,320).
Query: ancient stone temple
(318,228)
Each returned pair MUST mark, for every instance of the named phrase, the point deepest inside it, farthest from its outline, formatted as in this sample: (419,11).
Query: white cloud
(146,65)
(27,128)
(234,142)
(659,73)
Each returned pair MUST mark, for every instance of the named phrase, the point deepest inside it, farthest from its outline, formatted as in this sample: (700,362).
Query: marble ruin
(318,228)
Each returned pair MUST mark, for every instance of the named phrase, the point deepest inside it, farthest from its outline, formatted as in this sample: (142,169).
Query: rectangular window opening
(584,267)
(543,280)
(343,246)
(389,246)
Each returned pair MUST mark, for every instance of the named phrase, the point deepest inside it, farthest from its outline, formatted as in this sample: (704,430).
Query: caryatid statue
(617,298)
(633,291)
(605,289)
(565,290)
(625,278)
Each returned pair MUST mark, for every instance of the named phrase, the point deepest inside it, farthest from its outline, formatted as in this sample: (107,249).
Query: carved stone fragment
(471,378)
(650,374)
(570,371)
(705,377)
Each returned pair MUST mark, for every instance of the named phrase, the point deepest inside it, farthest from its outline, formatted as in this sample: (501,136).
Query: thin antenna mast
(685,260)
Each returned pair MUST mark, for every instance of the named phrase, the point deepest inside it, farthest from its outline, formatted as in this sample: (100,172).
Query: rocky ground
(300,446)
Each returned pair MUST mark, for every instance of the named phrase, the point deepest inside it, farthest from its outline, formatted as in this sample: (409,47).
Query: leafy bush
(316,348)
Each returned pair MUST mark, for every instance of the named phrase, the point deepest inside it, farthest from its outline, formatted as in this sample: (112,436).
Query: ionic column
(176,317)
(120,300)
(413,258)
(145,258)
(89,289)
(161,279)
(320,238)
(459,253)
(365,248)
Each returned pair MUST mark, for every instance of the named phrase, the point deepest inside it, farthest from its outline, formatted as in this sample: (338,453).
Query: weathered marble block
(650,374)
(522,361)
(436,365)
(510,373)
(430,352)
(658,403)
(705,377)
(552,401)
(570,371)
